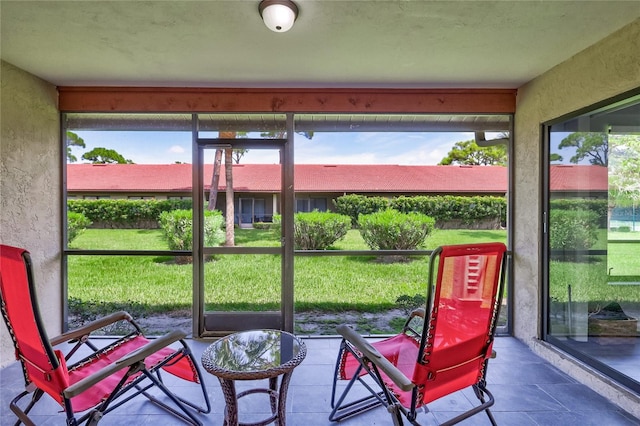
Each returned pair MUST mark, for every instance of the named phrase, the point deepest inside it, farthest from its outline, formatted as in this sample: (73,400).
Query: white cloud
(176,149)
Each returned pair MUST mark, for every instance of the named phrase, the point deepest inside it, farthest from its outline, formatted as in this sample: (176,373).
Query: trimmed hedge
(319,230)
(443,208)
(449,207)
(76,224)
(178,228)
(393,230)
(354,205)
(572,229)
(599,207)
(125,212)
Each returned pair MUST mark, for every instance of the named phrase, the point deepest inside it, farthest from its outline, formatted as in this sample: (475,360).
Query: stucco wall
(30,186)
(606,69)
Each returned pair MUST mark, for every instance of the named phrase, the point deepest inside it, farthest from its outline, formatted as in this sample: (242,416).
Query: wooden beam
(356,101)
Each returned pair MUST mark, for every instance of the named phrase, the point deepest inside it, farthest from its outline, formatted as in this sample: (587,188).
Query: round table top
(253,355)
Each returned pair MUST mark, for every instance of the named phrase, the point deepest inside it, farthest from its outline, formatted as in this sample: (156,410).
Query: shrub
(573,229)
(599,207)
(177,227)
(262,225)
(319,230)
(408,303)
(354,205)
(392,230)
(76,223)
(448,207)
(443,208)
(125,211)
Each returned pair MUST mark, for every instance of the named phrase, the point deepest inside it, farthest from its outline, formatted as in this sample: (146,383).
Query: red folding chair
(104,378)
(437,354)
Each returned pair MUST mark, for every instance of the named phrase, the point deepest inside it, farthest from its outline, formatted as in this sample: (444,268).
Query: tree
(281,134)
(590,145)
(73,140)
(469,153)
(238,154)
(624,172)
(215,180)
(555,157)
(101,155)
(229,156)
(230,223)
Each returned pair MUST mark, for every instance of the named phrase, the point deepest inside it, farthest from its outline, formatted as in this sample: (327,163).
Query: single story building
(257,186)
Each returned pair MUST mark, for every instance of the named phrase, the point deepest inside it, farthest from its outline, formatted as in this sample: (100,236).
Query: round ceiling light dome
(278,15)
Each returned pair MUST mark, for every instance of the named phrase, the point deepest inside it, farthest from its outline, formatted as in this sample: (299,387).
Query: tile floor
(528,391)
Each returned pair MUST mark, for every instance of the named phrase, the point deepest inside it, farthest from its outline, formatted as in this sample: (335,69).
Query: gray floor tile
(577,397)
(583,418)
(524,398)
(525,373)
(528,392)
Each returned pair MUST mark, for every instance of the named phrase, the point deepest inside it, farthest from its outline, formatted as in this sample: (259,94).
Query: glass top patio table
(255,355)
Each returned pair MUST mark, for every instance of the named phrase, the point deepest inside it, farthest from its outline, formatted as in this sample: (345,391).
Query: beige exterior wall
(606,69)
(30,187)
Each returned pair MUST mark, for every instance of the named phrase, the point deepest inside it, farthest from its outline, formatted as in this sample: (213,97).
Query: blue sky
(323,148)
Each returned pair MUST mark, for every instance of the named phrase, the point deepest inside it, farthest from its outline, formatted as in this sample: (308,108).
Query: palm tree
(230,222)
(215,180)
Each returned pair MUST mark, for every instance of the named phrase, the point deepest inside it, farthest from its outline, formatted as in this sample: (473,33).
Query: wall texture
(606,69)
(30,176)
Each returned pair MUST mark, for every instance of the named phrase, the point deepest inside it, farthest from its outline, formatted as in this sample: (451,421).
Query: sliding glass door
(592,277)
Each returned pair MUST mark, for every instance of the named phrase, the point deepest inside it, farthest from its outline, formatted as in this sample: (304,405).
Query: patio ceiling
(351,44)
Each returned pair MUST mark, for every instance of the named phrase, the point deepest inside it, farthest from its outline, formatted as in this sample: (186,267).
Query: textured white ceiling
(394,44)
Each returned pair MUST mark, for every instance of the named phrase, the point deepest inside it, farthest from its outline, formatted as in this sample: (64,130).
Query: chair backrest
(41,365)
(465,293)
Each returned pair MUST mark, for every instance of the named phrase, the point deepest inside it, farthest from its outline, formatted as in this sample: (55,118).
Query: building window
(311,204)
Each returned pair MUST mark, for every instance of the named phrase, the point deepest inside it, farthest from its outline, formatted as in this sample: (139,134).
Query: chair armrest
(125,362)
(372,354)
(89,327)
(418,312)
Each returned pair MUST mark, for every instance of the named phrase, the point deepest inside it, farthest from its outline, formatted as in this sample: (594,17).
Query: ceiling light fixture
(484,143)
(278,15)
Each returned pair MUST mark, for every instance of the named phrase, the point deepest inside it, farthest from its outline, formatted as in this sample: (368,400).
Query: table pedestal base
(277,400)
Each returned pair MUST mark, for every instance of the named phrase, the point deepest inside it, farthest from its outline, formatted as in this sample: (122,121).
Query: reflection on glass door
(593,244)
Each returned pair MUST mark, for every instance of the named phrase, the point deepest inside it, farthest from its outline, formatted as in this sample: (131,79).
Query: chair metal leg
(336,371)
(396,415)
(23,415)
(484,406)
(340,410)
(186,415)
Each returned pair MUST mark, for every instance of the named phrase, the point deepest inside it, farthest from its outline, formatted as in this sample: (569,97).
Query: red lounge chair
(104,378)
(437,354)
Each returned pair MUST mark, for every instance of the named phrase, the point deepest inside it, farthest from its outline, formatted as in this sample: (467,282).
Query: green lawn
(145,285)
(150,284)
(590,276)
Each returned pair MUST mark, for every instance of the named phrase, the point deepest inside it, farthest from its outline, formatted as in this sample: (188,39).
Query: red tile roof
(579,178)
(308,178)
(323,178)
